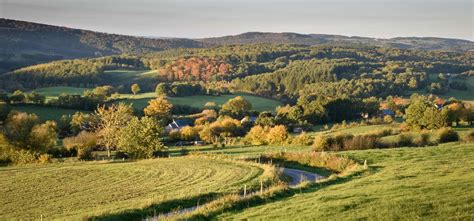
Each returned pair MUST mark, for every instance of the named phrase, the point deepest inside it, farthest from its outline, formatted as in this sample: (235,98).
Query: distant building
(389,112)
(177,124)
(298,130)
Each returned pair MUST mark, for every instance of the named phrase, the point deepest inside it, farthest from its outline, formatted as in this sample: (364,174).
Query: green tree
(34,98)
(135,89)
(4,110)
(141,138)
(236,107)
(162,89)
(17,97)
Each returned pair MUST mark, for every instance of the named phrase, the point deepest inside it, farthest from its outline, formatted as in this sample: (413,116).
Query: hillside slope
(26,43)
(428,43)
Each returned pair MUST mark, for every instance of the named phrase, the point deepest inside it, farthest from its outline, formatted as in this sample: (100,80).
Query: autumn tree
(277,135)
(135,89)
(43,136)
(257,135)
(159,108)
(236,107)
(110,120)
(18,127)
(83,144)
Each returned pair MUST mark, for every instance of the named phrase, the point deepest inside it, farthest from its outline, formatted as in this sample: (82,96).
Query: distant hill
(26,43)
(428,43)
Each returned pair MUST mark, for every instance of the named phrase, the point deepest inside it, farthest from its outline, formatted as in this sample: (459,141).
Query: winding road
(297,177)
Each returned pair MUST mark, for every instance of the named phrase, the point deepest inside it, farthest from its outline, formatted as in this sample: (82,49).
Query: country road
(297,177)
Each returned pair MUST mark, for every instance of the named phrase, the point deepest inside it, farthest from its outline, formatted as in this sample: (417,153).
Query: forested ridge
(25,43)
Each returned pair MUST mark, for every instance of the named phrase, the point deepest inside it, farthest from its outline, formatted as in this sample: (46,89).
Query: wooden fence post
(245,191)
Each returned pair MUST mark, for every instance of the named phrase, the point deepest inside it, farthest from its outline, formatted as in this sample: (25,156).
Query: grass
(140,101)
(112,190)
(46,113)
(240,151)
(462,95)
(124,77)
(432,183)
(53,92)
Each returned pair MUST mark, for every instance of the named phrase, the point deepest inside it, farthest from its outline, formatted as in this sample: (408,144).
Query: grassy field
(140,101)
(46,113)
(107,190)
(129,76)
(53,92)
(432,183)
(463,95)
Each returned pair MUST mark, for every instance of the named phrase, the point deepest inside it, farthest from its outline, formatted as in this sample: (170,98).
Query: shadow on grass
(156,209)
(278,196)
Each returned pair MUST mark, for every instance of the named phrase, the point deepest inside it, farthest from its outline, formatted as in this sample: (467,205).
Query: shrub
(302,139)
(83,144)
(469,136)
(424,140)
(256,135)
(320,143)
(277,135)
(44,158)
(189,133)
(388,119)
(360,142)
(447,135)
(404,140)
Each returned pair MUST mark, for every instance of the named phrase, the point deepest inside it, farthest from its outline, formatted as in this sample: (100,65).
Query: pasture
(140,101)
(46,113)
(402,183)
(74,191)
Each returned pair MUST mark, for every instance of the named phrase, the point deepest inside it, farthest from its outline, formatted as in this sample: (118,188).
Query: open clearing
(78,190)
(403,183)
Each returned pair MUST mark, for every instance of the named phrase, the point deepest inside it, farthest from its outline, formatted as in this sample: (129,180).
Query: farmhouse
(177,124)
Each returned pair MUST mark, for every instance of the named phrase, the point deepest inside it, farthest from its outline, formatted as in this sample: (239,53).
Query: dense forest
(279,71)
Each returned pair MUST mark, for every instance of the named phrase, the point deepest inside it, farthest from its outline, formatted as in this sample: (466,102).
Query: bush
(277,135)
(388,119)
(469,136)
(360,142)
(320,143)
(44,158)
(404,140)
(256,135)
(423,141)
(83,144)
(447,135)
(302,139)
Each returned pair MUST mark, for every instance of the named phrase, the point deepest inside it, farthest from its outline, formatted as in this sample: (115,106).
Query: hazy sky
(205,18)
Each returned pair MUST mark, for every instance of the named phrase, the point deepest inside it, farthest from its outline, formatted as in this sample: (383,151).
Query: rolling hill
(26,43)
(420,43)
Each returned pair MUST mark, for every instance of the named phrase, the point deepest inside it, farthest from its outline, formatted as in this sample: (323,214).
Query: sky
(211,18)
